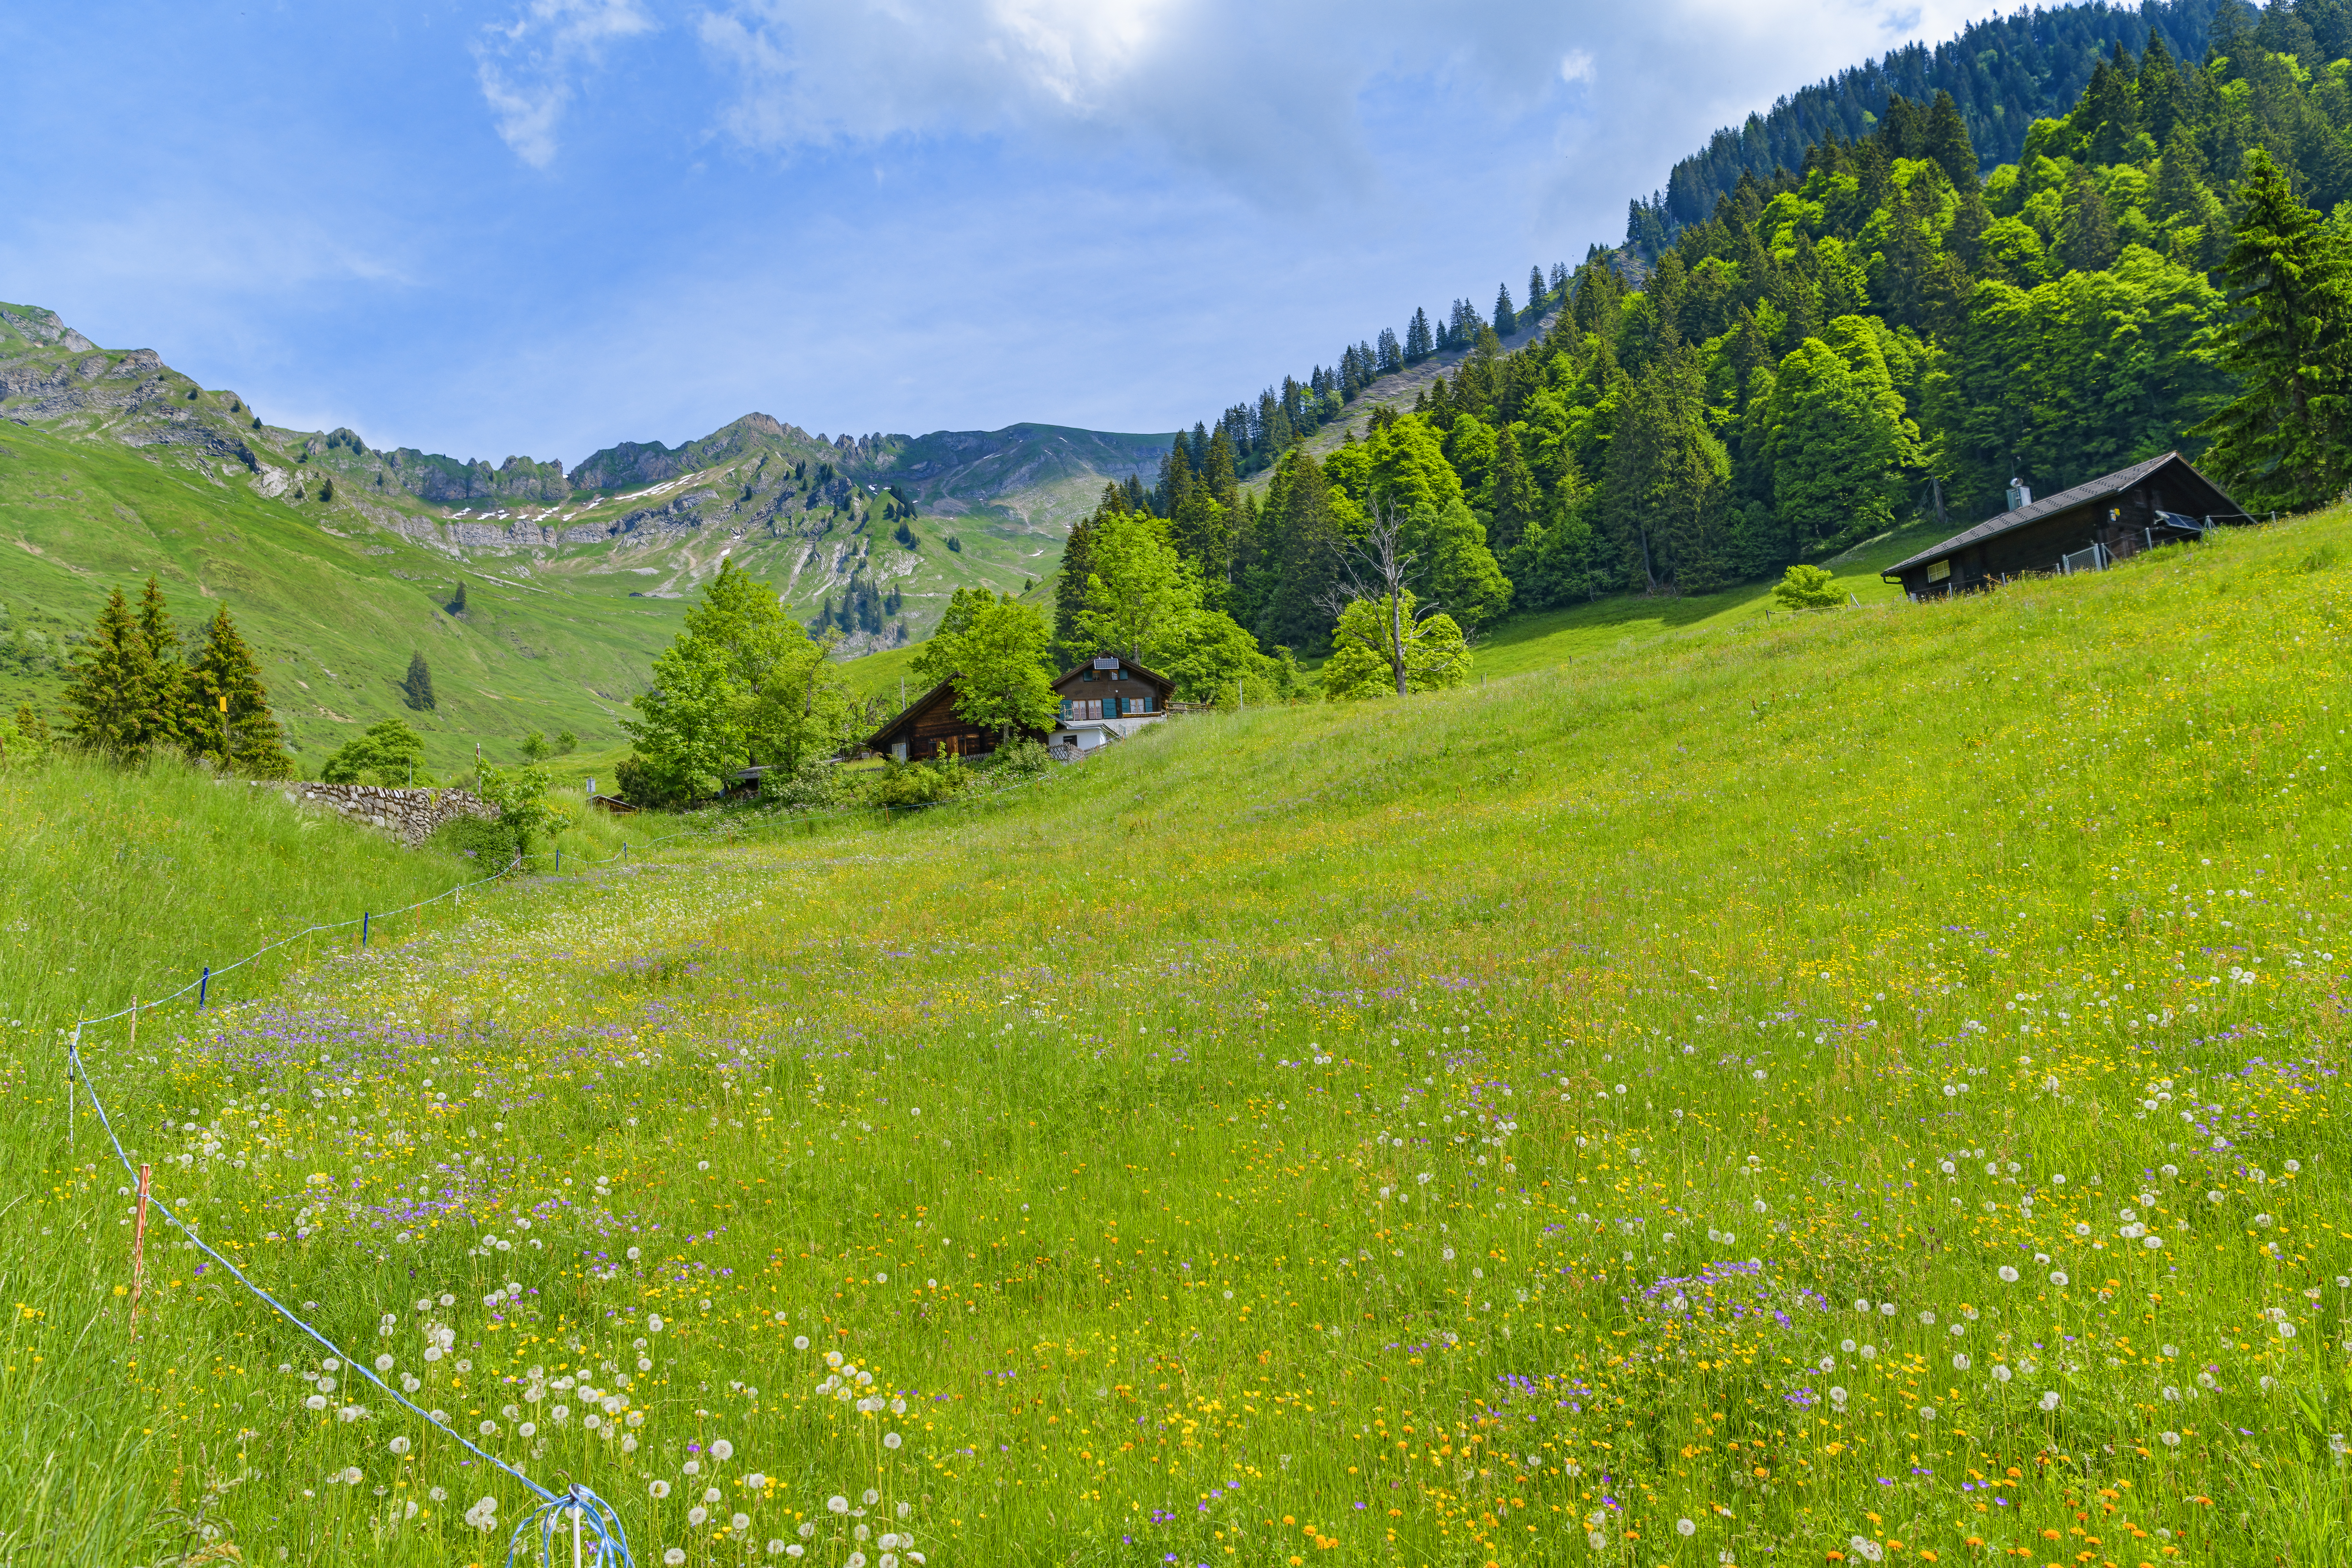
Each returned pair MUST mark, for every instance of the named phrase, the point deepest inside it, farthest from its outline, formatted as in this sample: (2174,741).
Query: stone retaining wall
(408,814)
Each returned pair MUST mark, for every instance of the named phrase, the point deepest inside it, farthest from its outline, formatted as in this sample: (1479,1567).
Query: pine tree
(1515,496)
(226,667)
(115,705)
(1665,502)
(2163,98)
(1175,479)
(1303,554)
(1506,321)
(1535,294)
(416,688)
(2086,230)
(1077,565)
(2286,442)
(163,641)
(1948,143)
(1418,342)
(2179,180)
(1217,475)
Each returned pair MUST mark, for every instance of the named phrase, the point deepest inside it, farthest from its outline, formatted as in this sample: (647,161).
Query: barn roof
(881,738)
(2094,490)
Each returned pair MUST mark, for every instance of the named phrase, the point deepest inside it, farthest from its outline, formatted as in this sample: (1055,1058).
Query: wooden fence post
(139,1252)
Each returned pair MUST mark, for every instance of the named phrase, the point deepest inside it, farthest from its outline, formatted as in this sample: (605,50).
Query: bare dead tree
(1379,569)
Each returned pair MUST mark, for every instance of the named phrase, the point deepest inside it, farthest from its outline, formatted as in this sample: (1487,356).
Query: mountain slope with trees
(1879,335)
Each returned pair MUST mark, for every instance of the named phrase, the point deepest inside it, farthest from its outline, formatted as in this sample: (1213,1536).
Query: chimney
(2020,494)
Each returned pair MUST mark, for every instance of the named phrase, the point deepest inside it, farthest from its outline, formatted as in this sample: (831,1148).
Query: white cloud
(1272,99)
(529,68)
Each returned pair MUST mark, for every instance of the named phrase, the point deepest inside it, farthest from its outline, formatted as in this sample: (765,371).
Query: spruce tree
(1506,321)
(417,687)
(115,705)
(1302,546)
(1514,493)
(2286,442)
(2086,230)
(2179,180)
(1217,475)
(226,667)
(1070,579)
(163,641)
(1949,144)
(458,605)
(1535,293)
(2162,97)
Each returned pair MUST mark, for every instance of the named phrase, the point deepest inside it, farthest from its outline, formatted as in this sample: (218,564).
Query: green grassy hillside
(341,558)
(1546,638)
(1859,1087)
(333,608)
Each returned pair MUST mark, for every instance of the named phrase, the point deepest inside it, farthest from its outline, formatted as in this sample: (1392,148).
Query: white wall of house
(1088,735)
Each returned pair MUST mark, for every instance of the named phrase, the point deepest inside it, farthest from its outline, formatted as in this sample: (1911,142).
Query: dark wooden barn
(930,727)
(2085,529)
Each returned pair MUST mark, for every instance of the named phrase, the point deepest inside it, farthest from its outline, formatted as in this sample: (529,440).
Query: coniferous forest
(1886,330)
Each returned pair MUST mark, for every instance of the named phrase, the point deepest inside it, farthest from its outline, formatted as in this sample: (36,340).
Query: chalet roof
(1087,663)
(2083,494)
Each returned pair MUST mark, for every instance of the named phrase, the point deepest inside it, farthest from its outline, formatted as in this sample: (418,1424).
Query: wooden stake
(139,1252)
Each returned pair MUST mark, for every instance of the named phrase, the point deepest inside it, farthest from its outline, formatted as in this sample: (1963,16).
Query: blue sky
(546,226)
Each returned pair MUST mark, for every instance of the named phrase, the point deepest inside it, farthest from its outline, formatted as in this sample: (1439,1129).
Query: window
(1938,571)
(1143,703)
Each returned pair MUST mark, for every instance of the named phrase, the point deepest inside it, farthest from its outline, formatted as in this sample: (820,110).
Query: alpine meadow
(1556,944)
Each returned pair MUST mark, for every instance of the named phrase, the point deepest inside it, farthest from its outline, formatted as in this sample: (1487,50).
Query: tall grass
(1709,1102)
(120,883)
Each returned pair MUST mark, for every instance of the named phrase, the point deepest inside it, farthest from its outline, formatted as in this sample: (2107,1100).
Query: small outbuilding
(2086,529)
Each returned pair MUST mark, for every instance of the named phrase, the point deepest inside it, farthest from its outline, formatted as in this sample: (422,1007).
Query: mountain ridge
(995,503)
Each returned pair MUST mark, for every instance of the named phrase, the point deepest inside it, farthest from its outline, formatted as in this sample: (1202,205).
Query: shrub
(489,845)
(646,784)
(919,783)
(1020,759)
(1803,587)
(387,754)
(816,786)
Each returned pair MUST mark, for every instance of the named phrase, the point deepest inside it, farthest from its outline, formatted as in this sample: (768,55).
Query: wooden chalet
(2085,529)
(1106,698)
(1103,698)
